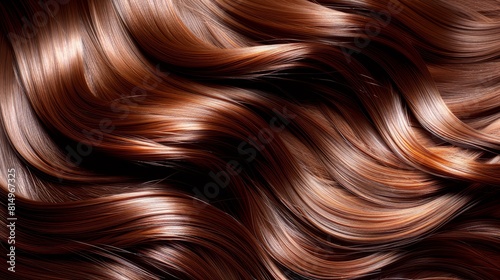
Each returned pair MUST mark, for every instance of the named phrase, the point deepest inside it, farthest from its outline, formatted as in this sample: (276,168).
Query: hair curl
(251,139)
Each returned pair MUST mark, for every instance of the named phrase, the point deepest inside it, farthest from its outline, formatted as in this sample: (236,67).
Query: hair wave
(251,139)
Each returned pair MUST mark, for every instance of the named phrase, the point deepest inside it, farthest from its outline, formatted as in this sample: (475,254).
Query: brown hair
(250,139)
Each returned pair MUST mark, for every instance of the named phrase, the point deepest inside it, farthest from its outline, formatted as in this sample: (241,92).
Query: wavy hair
(250,139)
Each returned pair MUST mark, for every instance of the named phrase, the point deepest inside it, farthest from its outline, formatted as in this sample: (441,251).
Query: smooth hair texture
(251,139)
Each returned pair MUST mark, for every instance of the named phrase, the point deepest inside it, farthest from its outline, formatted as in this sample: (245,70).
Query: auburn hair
(250,139)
